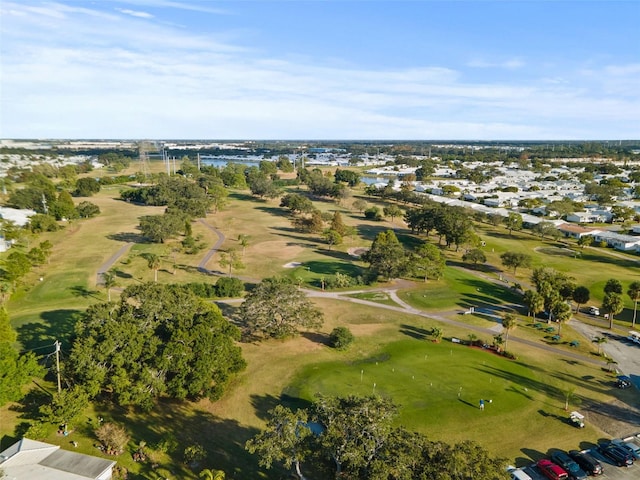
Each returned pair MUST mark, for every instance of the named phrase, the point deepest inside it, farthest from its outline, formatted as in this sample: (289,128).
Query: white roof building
(32,460)
(18,216)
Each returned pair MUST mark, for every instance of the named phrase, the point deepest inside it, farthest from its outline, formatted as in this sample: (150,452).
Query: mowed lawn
(438,388)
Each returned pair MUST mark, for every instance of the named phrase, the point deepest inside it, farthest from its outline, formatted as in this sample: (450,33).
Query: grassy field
(391,348)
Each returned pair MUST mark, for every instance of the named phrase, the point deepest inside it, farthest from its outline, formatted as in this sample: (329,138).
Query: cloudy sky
(333,69)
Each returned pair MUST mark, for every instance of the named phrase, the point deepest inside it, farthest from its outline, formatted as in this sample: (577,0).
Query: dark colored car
(589,464)
(618,455)
(623,381)
(566,462)
(551,470)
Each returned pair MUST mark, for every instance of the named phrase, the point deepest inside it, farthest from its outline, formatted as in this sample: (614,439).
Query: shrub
(373,213)
(167,444)
(113,437)
(194,453)
(229,287)
(202,290)
(342,280)
(340,338)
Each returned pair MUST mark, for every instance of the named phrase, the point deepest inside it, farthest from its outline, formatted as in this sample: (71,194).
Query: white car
(517,473)
(594,310)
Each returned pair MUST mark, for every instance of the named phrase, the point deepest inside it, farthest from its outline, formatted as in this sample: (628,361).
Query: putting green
(438,388)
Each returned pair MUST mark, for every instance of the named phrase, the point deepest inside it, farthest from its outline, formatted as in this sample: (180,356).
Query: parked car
(566,462)
(623,381)
(587,462)
(632,448)
(618,455)
(594,310)
(517,473)
(551,470)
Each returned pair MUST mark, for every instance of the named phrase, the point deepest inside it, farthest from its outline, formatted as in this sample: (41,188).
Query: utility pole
(57,345)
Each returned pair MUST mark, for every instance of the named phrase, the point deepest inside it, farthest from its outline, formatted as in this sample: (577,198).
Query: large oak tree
(277,308)
(159,340)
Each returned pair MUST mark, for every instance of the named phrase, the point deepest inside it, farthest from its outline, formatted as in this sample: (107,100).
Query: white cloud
(134,13)
(198,6)
(78,72)
(511,64)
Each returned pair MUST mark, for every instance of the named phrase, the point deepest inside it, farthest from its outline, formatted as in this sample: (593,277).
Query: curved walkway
(109,263)
(404,307)
(202,266)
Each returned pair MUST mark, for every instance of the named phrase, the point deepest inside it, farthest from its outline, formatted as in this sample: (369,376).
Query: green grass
(378,297)
(527,398)
(459,289)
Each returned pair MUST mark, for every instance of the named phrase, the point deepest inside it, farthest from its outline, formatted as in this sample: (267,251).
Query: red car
(551,470)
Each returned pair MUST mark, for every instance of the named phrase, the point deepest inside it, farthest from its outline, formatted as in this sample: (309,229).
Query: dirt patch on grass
(357,251)
(277,249)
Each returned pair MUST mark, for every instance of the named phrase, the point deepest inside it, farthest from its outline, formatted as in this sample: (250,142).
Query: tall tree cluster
(356,439)
(388,258)
(15,369)
(450,222)
(158,340)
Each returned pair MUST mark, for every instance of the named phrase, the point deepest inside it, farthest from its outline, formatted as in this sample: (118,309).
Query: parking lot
(610,471)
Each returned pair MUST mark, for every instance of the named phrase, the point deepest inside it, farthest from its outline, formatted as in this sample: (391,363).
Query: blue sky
(334,69)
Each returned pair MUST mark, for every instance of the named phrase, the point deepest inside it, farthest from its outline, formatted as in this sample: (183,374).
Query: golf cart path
(112,259)
(202,266)
(403,307)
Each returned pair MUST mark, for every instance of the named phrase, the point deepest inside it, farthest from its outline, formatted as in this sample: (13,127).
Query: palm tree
(634,293)
(437,333)
(599,341)
(153,262)
(534,301)
(613,305)
(207,474)
(109,281)
(569,394)
(244,241)
(508,323)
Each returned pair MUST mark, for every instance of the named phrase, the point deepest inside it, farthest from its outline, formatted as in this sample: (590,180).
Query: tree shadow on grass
(264,403)
(223,439)
(316,337)
(54,325)
(29,406)
(415,332)
(129,237)
(337,254)
(331,268)
(84,292)
(532,455)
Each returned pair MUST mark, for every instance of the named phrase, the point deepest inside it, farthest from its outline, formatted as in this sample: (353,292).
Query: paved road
(618,347)
(202,266)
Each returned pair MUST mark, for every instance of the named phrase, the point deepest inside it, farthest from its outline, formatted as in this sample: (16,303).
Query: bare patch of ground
(357,251)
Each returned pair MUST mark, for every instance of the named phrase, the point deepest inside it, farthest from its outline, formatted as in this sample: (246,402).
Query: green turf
(438,388)
(459,289)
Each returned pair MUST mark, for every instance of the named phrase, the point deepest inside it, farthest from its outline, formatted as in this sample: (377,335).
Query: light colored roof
(31,460)
(18,216)
(570,227)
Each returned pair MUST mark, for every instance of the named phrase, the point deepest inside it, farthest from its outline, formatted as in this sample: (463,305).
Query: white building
(32,460)
(590,216)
